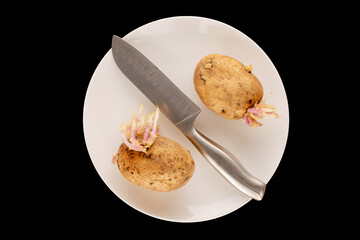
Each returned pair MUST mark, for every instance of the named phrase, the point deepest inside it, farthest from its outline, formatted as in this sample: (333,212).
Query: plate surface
(176,45)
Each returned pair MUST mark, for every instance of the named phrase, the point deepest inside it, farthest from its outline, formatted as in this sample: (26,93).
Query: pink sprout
(258,112)
(132,132)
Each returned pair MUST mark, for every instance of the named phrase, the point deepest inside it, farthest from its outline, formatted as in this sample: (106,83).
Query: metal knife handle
(224,162)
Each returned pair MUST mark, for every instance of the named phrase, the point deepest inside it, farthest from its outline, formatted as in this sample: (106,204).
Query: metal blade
(173,103)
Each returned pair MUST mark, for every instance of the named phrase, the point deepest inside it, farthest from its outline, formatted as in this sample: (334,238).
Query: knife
(182,112)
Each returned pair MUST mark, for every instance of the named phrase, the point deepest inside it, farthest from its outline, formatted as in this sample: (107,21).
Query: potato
(166,166)
(226,86)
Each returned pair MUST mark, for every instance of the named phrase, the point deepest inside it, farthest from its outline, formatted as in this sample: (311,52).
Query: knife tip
(114,40)
(115,37)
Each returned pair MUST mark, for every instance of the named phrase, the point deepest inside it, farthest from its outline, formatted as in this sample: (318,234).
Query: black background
(66,43)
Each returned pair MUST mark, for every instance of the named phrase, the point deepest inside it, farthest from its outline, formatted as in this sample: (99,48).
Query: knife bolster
(187,125)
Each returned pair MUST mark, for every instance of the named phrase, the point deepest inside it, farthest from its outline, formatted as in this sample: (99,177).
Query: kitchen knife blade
(173,103)
(182,111)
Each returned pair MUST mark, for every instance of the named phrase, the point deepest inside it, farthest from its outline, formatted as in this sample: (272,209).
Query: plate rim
(170,19)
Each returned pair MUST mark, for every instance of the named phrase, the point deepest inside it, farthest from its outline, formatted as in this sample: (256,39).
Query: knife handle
(226,164)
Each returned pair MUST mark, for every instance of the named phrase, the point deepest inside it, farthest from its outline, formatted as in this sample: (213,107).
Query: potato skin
(225,87)
(166,166)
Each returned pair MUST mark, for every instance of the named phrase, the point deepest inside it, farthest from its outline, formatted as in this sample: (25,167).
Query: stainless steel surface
(223,161)
(173,103)
(176,106)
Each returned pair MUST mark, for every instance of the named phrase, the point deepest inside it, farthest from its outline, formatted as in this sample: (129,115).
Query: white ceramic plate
(176,45)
